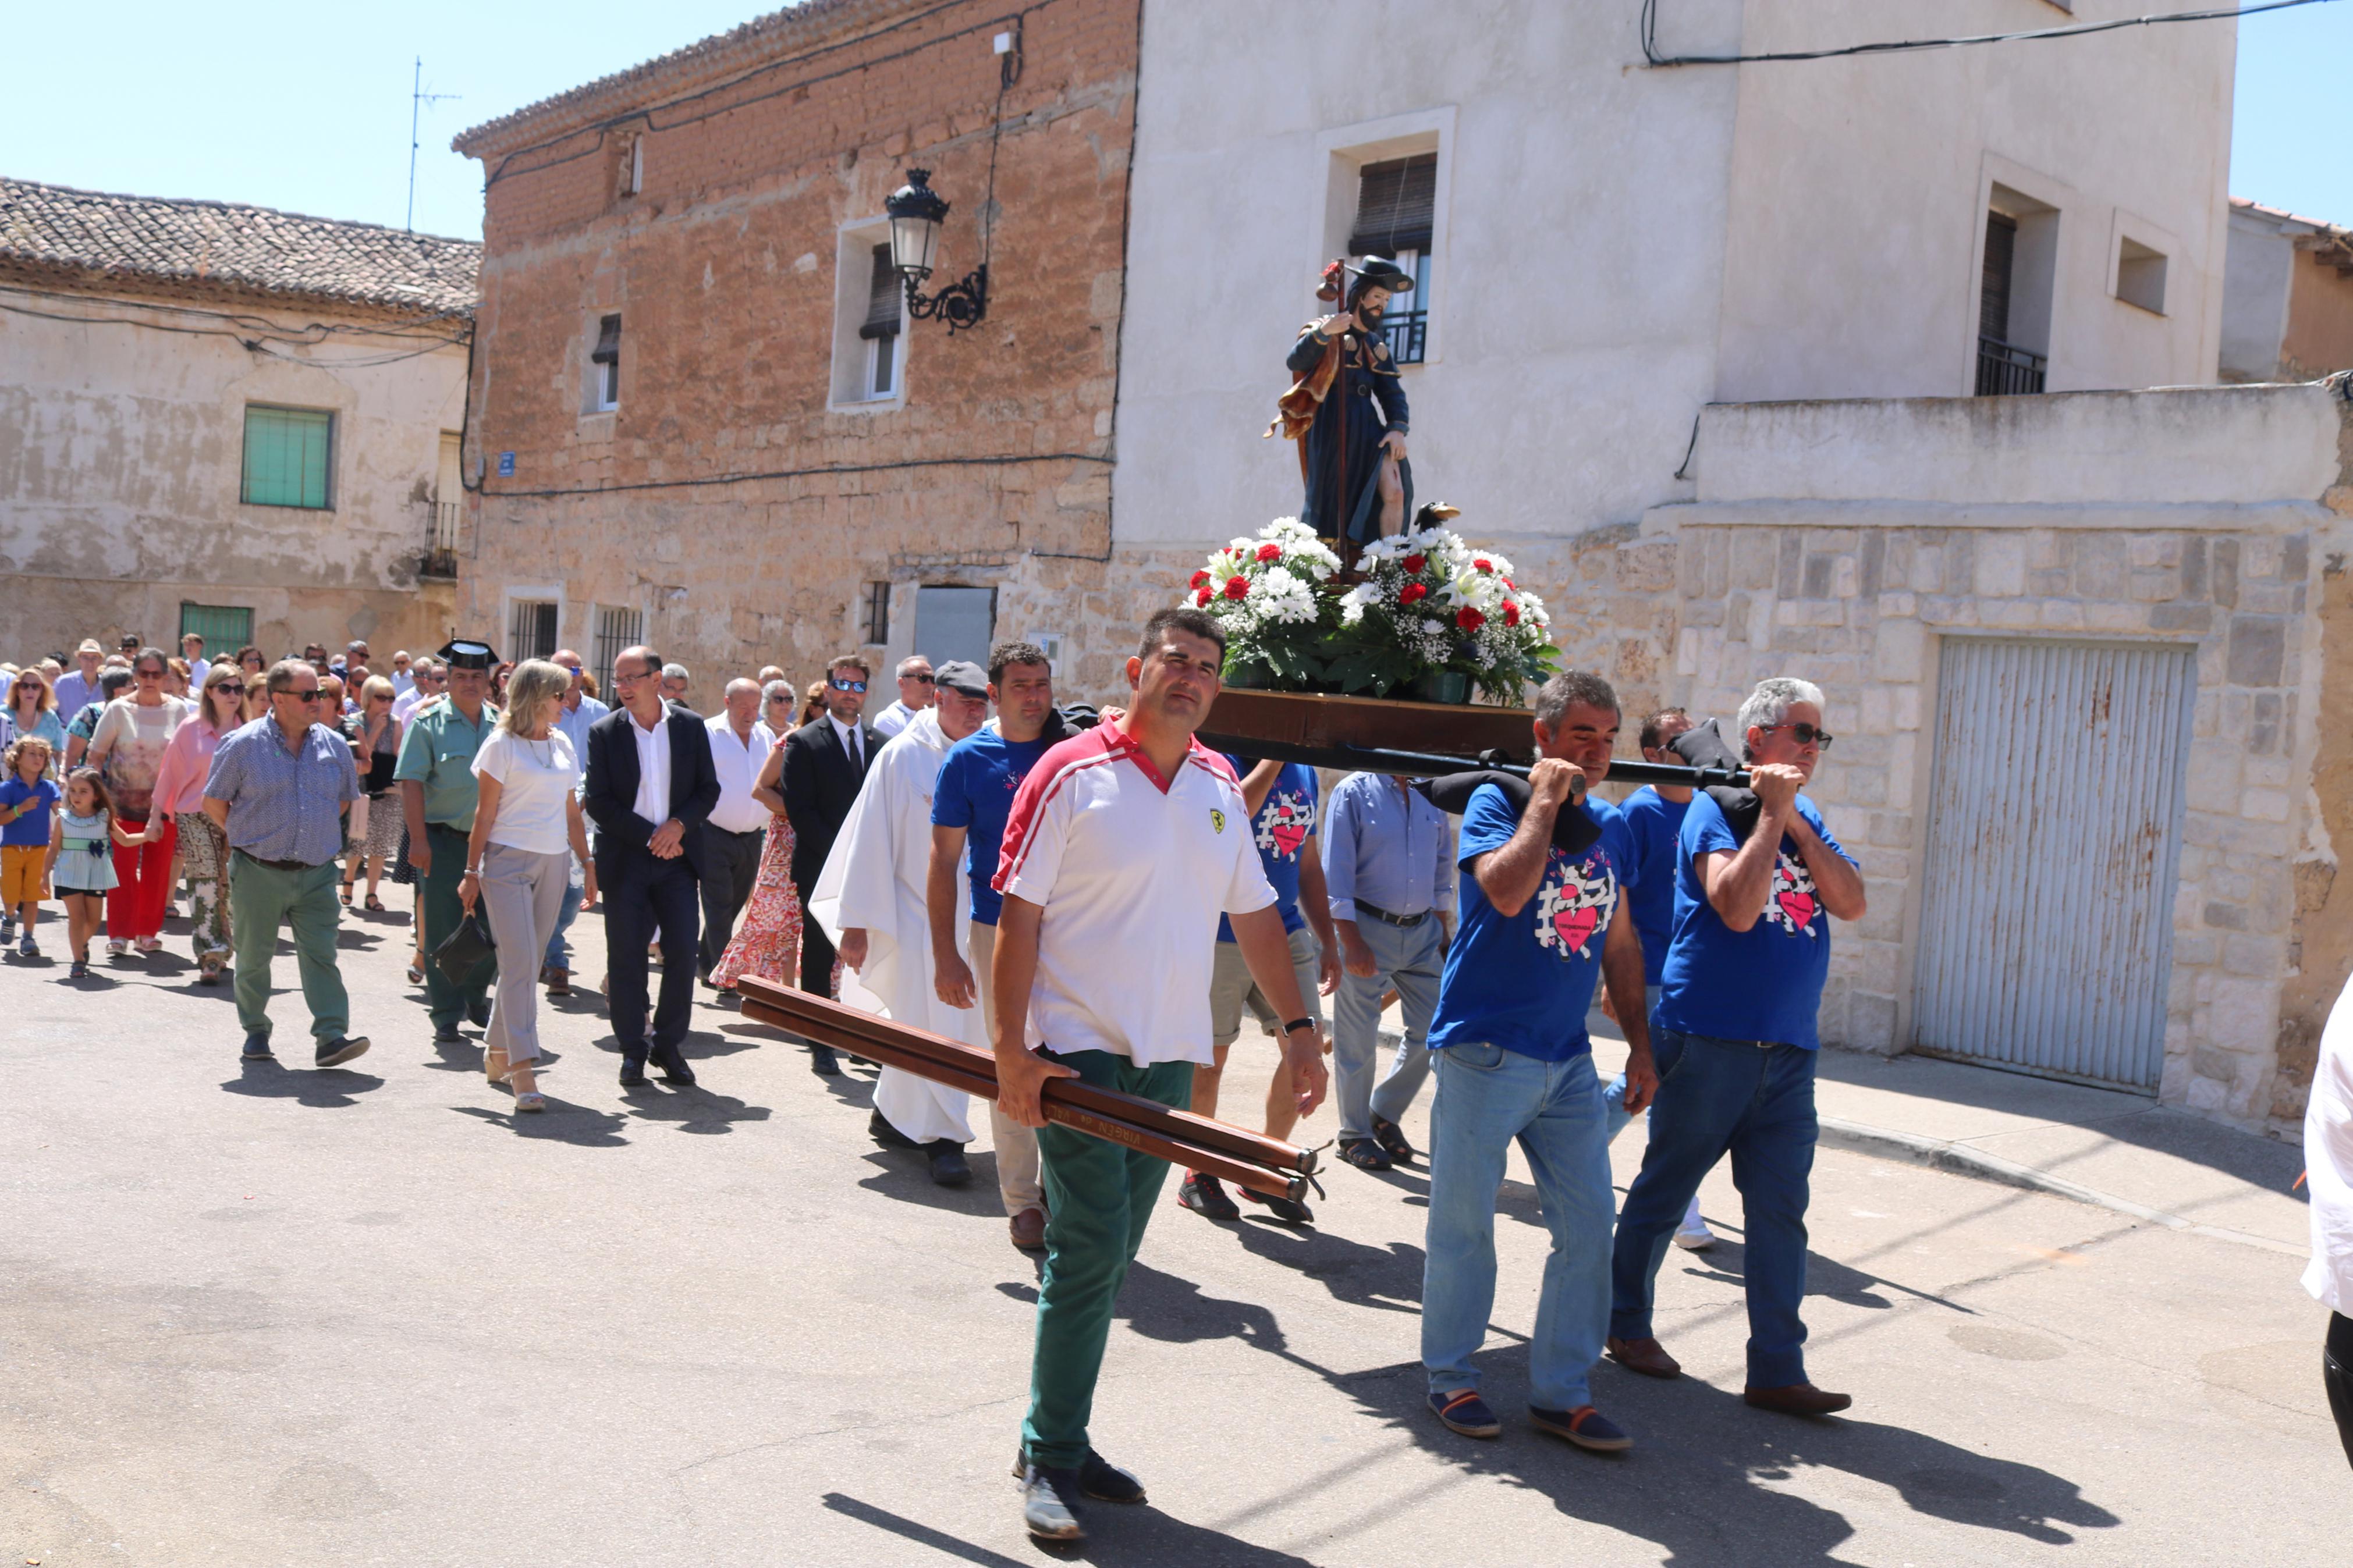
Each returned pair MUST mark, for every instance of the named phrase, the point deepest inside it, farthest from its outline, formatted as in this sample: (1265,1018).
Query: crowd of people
(980,862)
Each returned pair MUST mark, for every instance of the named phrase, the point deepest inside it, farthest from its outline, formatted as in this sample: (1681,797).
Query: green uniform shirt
(438,752)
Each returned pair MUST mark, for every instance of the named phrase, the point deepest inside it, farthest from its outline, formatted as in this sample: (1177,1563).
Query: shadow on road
(1138,1537)
(331,1089)
(1705,1481)
(690,1110)
(561,1122)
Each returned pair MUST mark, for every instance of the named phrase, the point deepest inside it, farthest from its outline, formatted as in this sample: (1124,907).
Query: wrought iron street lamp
(916,213)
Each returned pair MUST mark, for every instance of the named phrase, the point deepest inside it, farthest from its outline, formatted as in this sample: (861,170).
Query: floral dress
(768,942)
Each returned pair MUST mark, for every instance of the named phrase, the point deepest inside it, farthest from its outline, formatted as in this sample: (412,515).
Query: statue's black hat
(1382,273)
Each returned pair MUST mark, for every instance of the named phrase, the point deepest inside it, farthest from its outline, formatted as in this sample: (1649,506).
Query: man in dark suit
(824,765)
(650,784)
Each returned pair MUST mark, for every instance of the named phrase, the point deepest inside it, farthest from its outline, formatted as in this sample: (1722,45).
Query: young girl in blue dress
(81,866)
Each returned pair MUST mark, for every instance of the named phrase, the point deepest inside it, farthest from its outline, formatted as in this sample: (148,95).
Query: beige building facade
(226,419)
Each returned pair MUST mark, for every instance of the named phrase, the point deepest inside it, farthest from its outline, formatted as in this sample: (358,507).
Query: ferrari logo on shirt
(1218,819)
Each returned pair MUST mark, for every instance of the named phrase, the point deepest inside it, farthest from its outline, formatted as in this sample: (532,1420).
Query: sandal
(373,904)
(347,895)
(208,968)
(534,1100)
(497,1074)
(417,974)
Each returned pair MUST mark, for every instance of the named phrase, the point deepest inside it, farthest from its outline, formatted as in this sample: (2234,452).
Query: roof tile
(233,245)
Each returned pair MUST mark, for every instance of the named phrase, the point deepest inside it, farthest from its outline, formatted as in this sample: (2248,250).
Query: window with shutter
(288,454)
(1397,201)
(883,297)
(604,366)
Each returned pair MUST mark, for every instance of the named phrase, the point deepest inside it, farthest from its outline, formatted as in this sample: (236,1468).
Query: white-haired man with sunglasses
(1733,1041)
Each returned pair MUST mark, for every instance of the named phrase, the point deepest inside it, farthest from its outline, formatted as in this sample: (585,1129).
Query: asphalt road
(269,1315)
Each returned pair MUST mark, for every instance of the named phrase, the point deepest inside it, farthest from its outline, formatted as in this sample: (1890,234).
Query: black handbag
(463,948)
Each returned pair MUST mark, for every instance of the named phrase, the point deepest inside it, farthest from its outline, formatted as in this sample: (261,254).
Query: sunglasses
(148,674)
(850,685)
(921,680)
(1804,734)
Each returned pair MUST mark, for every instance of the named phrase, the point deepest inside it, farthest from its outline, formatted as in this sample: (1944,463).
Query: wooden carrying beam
(1230,1153)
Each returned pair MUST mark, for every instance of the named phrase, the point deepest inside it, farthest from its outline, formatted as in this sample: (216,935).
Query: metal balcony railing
(441,538)
(1405,330)
(2005,370)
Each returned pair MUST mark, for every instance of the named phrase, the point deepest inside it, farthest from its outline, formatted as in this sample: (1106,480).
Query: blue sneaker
(1585,1426)
(1467,1413)
(257,1049)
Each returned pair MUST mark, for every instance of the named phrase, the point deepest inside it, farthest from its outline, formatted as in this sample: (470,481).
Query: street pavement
(262,1314)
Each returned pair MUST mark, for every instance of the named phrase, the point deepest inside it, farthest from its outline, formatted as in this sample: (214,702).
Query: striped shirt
(1131,871)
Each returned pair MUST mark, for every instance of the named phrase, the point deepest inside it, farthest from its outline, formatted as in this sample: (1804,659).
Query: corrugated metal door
(2046,930)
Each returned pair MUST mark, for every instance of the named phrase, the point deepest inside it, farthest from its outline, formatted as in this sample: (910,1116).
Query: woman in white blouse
(527,828)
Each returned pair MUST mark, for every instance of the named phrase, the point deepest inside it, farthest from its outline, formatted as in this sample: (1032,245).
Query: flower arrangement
(1270,597)
(1430,604)
(1424,604)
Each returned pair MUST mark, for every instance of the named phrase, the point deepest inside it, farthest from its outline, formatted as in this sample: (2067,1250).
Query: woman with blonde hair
(527,829)
(33,708)
(376,819)
(180,800)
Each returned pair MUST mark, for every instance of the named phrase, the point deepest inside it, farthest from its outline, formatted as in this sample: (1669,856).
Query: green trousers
(446,999)
(261,899)
(1099,1197)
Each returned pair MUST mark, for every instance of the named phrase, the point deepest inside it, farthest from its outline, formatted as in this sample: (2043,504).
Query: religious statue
(1346,409)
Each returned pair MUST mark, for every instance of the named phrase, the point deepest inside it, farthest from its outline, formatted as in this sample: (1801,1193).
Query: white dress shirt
(848,735)
(738,762)
(653,768)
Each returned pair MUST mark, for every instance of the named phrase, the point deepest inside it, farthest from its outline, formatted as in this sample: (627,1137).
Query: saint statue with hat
(1346,409)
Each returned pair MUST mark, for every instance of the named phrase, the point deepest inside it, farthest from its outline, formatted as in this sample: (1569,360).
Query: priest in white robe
(869,900)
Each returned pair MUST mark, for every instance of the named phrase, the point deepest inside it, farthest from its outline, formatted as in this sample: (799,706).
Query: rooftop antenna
(417,99)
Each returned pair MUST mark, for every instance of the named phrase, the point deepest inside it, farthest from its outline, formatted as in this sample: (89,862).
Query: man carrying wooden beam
(1124,847)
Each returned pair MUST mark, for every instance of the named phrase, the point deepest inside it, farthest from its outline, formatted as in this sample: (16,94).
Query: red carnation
(1201,578)
(1412,592)
(1237,586)
(1515,587)
(1469,619)
(1414,563)
(1511,612)
(1481,563)
(1270,552)
(1203,597)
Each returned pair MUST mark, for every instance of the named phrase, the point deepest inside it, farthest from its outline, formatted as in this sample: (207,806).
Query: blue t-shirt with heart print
(1523,981)
(1762,983)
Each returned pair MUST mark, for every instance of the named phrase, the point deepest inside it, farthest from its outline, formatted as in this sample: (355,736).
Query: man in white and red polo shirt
(1125,845)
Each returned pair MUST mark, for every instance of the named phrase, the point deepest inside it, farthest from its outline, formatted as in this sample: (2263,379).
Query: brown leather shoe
(1645,1356)
(1798,1399)
(1028,1228)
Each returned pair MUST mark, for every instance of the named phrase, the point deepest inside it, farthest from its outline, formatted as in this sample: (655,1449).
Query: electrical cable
(821,471)
(1651,56)
(308,333)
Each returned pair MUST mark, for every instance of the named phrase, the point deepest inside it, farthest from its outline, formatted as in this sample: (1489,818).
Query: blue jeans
(1410,959)
(1487,1097)
(1755,1103)
(1613,1094)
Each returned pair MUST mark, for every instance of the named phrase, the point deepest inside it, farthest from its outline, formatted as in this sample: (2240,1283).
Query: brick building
(701,415)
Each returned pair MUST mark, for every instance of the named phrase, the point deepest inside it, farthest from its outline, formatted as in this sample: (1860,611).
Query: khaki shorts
(23,879)
(1231,987)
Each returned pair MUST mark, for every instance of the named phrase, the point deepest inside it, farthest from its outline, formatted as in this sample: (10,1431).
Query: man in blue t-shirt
(968,811)
(1282,797)
(1539,926)
(1654,817)
(1736,1044)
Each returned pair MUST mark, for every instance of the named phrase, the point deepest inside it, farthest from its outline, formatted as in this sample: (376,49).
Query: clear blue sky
(307,106)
